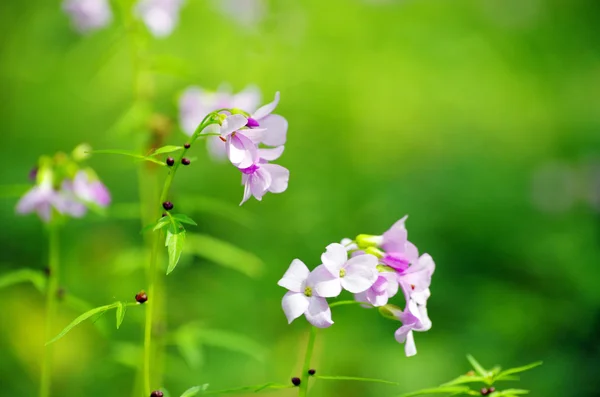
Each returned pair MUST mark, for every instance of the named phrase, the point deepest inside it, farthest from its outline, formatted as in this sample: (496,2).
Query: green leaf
(166,149)
(82,318)
(387,382)
(174,244)
(509,393)
(256,388)
(224,254)
(439,390)
(502,375)
(220,208)
(192,391)
(35,277)
(233,341)
(121,308)
(184,219)
(130,154)
(476,366)
(162,222)
(466,379)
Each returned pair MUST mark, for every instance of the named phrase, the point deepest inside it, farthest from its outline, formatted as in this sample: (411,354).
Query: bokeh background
(478,118)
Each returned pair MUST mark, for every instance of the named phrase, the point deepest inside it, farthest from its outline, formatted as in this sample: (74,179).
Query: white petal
(247,192)
(259,183)
(392,286)
(256,135)
(241,151)
(279,177)
(295,276)
(324,283)
(266,109)
(359,277)
(424,317)
(276,133)
(270,154)
(334,258)
(318,313)
(233,123)
(410,348)
(294,305)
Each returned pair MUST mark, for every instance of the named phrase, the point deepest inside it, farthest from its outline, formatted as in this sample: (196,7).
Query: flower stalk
(303,389)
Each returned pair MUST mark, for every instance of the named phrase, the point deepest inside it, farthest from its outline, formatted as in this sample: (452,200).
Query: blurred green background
(479,119)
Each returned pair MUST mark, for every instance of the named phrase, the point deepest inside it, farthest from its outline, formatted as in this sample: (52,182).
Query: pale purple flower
(385,287)
(195,103)
(413,318)
(349,244)
(275,125)
(399,252)
(241,146)
(160,16)
(416,279)
(262,177)
(302,298)
(90,189)
(88,15)
(356,274)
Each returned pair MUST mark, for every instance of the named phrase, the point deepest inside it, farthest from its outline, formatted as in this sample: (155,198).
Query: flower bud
(167,205)
(390,311)
(81,152)
(141,297)
(187,145)
(185,161)
(296,381)
(312,372)
(170,161)
(367,240)
(491,390)
(485,391)
(157,393)
(385,268)
(252,123)
(375,252)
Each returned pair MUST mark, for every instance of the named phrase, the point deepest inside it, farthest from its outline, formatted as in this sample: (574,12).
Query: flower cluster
(63,186)
(249,140)
(374,269)
(160,16)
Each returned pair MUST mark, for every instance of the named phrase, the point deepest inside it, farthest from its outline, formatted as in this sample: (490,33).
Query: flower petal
(361,273)
(270,154)
(279,177)
(277,127)
(247,191)
(324,283)
(248,99)
(334,258)
(241,151)
(266,109)
(295,276)
(410,349)
(294,305)
(318,313)
(254,134)
(232,123)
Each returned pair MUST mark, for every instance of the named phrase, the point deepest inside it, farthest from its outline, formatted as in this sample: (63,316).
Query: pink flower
(262,177)
(89,189)
(88,15)
(356,274)
(416,279)
(385,287)
(413,318)
(160,16)
(302,298)
(276,126)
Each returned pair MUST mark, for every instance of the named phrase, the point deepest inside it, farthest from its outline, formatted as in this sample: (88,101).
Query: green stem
(51,303)
(303,389)
(342,303)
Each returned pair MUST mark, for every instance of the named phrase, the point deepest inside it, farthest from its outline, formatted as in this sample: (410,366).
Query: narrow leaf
(256,388)
(356,379)
(510,392)
(192,391)
(476,366)
(184,219)
(504,374)
(130,154)
(80,319)
(35,277)
(224,254)
(162,223)
(234,342)
(166,149)
(466,379)
(174,243)
(439,390)
(121,308)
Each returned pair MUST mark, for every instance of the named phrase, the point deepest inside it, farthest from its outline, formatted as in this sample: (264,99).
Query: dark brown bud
(485,391)
(491,390)
(312,372)
(296,381)
(168,205)
(187,146)
(157,393)
(170,161)
(164,214)
(185,161)
(141,297)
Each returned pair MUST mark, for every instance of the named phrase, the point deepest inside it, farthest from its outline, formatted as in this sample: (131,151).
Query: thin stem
(51,303)
(303,389)
(342,303)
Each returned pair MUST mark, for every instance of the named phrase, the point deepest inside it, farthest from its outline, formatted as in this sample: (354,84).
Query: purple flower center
(252,123)
(396,260)
(250,170)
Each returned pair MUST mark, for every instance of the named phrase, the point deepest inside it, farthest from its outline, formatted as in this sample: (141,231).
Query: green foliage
(166,149)
(35,277)
(174,244)
(477,367)
(224,254)
(192,391)
(354,378)
(120,312)
(255,389)
(182,218)
(451,390)
(130,154)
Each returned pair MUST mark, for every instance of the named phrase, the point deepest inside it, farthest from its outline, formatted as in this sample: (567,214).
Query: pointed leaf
(174,243)
(121,308)
(439,390)
(35,277)
(233,341)
(184,219)
(354,378)
(224,254)
(80,319)
(510,393)
(270,385)
(476,366)
(466,379)
(192,391)
(166,149)
(130,154)
(162,223)
(510,371)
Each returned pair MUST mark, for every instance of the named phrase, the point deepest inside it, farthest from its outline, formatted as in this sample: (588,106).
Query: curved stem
(341,303)
(51,301)
(303,389)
